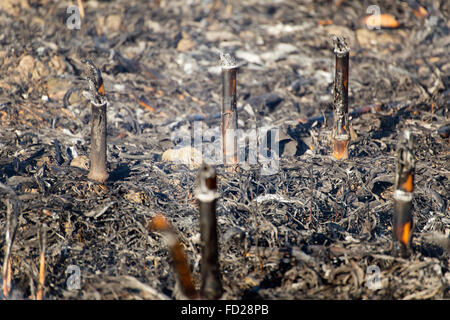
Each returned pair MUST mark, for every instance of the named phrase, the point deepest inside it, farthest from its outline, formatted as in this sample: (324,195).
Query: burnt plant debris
(315,228)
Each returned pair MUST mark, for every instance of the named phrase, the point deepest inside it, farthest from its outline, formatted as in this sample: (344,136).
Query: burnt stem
(12,216)
(210,269)
(341,133)
(97,156)
(96,95)
(182,269)
(403,194)
(179,260)
(229,111)
(43,248)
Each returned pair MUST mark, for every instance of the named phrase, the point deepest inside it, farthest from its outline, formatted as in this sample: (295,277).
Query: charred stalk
(341,132)
(159,223)
(404,187)
(43,248)
(12,216)
(229,111)
(207,194)
(96,95)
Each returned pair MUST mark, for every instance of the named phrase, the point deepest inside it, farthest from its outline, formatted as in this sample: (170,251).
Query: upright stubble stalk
(341,132)
(96,95)
(179,260)
(98,171)
(403,194)
(207,194)
(229,115)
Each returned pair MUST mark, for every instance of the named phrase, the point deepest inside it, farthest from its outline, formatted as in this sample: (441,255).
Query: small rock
(279,29)
(247,35)
(216,36)
(187,62)
(39,71)
(109,24)
(289,148)
(281,51)
(113,23)
(80,162)
(270,100)
(57,63)
(185,44)
(40,51)
(215,70)
(366,38)
(57,88)
(37,22)
(370,39)
(136,197)
(133,51)
(13,7)
(153,25)
(287,145)
(185,155)
(25,66)
(249,57)
(250,282)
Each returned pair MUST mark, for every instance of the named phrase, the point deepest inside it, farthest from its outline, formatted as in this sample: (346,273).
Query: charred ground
(309,231)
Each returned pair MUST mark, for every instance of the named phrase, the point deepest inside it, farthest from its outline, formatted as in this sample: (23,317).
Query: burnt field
(312,228)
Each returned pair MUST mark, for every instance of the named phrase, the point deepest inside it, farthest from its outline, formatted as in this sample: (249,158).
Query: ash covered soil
(313,230)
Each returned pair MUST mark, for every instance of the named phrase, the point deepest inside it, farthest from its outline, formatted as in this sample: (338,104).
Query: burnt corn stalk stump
(341,131)
(160,224)
(403,193)
(229,123)
(96,95)
(206,194)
